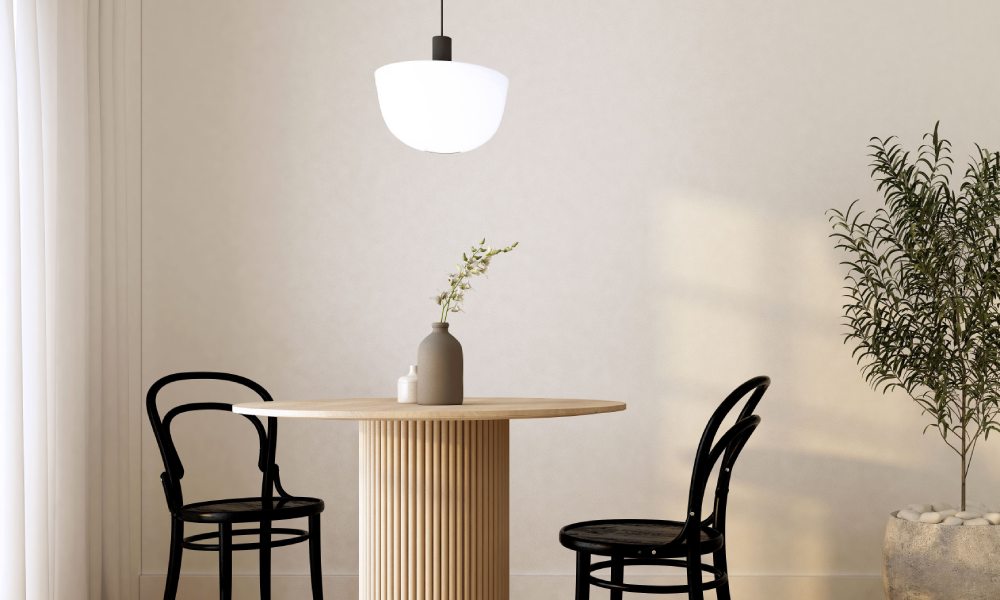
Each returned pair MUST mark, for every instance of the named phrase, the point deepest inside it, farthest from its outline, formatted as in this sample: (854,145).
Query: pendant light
(440,105)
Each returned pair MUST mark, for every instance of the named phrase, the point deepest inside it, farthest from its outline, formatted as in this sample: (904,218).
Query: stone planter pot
(921,561)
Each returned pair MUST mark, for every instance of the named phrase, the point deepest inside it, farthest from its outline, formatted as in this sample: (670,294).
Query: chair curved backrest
(173,468)
(727,447)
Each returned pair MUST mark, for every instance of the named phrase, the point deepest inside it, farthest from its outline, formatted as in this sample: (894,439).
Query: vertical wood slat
(394,448)
(436,509)
(434,503)
(452,508)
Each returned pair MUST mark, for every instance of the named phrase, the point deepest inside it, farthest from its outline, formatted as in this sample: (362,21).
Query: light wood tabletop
(433,491)
(387,409)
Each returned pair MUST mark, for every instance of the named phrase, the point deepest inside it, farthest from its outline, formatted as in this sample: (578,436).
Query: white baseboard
(531,587)
(743,587)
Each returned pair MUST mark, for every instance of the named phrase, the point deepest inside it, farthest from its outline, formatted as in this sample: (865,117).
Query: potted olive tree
(922,313)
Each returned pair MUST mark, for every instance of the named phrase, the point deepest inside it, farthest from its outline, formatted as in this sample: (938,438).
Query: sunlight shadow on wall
(739,292)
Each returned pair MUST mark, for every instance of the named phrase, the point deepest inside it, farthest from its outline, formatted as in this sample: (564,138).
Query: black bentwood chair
(673,543)
(262,510)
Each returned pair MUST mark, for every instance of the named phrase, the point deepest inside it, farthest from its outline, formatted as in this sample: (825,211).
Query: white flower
(472,265)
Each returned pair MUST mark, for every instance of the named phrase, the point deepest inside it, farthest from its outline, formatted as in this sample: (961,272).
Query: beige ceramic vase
(439,361)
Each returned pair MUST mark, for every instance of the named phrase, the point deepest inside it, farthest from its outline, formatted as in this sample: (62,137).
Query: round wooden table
(433,485)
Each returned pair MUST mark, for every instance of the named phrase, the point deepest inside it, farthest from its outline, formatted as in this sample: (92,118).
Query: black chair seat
(231,515)
(634,538)
(674,544)
(250,510)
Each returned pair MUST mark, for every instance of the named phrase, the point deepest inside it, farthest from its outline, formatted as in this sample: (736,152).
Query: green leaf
(922,285)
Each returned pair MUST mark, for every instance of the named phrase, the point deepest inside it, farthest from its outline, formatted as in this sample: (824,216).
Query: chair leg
(696,590)
(315,566)
(582,576)
(719,560)
(225,561)
(265,560)
(617,575)
(174,561)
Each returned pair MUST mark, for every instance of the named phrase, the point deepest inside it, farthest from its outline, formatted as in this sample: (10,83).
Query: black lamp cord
(441,49)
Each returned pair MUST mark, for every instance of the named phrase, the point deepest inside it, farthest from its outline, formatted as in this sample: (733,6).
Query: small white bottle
(406,389)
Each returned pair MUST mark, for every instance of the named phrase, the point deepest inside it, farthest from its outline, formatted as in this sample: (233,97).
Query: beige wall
(665,166)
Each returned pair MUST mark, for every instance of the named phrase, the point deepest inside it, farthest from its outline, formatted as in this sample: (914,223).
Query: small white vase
(406,389)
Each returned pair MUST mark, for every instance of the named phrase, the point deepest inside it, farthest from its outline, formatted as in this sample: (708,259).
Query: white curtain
(51,486)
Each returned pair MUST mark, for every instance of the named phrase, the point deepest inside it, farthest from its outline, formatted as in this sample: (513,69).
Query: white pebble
(908,515)
(993,518)
(948,512)
(952,521)
(968,514)
(930,517)
(920,508)
(942,506)
(976,522)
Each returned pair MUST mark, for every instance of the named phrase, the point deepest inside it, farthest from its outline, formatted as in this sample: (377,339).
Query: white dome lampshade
(439,105)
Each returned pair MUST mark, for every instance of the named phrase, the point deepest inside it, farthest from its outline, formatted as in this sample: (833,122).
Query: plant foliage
(923,287)
(474,263)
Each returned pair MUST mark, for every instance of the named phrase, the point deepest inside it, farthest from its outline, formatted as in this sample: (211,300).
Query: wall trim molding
(114,71)
(537,586)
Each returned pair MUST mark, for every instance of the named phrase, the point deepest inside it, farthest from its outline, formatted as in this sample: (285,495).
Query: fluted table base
(434,510)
